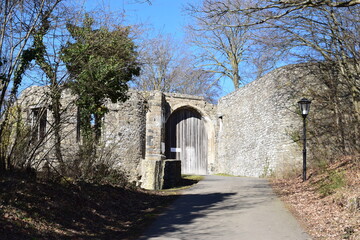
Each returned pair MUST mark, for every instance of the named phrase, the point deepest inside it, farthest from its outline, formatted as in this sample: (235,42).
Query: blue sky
(162,15)
(166,16)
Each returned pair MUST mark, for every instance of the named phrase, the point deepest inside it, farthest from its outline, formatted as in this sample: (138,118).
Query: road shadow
(189,207)
(31,209)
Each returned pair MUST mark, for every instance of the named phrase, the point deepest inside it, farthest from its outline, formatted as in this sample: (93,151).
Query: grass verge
(328,204)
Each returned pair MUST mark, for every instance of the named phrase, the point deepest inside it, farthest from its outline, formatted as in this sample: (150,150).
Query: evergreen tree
(100,62)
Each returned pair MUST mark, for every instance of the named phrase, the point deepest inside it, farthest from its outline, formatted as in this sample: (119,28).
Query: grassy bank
(31,209)
(328,204)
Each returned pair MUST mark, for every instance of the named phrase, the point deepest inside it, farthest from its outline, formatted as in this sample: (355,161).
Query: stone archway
(186,139)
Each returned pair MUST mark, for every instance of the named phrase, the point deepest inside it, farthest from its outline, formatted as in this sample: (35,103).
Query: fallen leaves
(45,210)
(331,217)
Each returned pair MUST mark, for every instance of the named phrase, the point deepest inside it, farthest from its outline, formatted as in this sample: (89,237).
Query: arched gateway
(146,133)
(187,140)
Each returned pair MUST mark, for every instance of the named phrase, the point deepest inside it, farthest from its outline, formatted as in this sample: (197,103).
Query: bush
(334,181)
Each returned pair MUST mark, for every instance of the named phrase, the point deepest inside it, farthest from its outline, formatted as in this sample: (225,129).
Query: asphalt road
(227,208)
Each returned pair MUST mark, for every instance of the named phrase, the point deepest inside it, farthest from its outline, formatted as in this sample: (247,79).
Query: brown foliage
(43,210)
(335,215)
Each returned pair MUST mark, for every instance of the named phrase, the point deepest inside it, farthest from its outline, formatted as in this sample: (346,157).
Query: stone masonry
(248,132)
(253,133)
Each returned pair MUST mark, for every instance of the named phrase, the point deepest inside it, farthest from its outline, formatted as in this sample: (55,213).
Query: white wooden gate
(186,140)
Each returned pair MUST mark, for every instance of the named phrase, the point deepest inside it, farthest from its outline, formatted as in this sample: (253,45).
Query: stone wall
(38,98)
(132,135)
(253,131)
(154,168)
(255,125)
(207,110)
(123,134)
(122,142)
(260,128)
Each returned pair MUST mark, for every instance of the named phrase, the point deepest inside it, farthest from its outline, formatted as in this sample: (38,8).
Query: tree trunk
(355,99)
(2,163)
(55,99)
(97,127)
(3,147)
(235,72)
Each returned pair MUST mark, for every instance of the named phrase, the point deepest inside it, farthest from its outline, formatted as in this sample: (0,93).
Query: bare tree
(264,11)
(18,20)
(322,32)
(168,67)
(223,47)
(49,38)
(330,36)
(142,1)
(227,46)
(157,58)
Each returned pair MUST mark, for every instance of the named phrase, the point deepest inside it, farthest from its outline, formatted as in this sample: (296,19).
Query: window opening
(39,119)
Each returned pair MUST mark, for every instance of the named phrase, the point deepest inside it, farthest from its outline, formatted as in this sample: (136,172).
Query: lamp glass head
(304,105)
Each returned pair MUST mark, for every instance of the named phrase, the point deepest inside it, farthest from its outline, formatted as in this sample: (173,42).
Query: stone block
(160,174)
(152,172)
(172,173)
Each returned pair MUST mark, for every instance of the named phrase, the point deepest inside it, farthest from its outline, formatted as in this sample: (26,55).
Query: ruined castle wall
(176,100)
(260,128)
(37,97)
(253,131)
(68,132)
(254,127)
(123,134)
(207,110)
(122,142)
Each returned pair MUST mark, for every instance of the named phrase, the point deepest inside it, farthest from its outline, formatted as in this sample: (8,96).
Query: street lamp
(304,105)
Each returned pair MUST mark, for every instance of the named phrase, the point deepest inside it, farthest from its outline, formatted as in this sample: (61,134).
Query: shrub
(335,180)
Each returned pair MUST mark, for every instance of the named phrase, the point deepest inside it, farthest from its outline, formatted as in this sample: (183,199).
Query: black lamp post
(304,105)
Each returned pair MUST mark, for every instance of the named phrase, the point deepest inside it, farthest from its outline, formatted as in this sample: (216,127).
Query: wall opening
(38,122)
(186,140)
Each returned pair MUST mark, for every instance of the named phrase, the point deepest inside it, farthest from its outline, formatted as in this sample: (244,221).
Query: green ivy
(100,62)
(335,180)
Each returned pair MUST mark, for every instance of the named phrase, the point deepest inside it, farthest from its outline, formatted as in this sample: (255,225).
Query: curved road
(227,208)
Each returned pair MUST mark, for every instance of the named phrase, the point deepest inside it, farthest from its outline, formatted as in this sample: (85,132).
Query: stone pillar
(152,166)
(155,128)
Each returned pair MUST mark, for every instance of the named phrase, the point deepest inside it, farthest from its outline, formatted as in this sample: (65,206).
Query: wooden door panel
(186,140)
